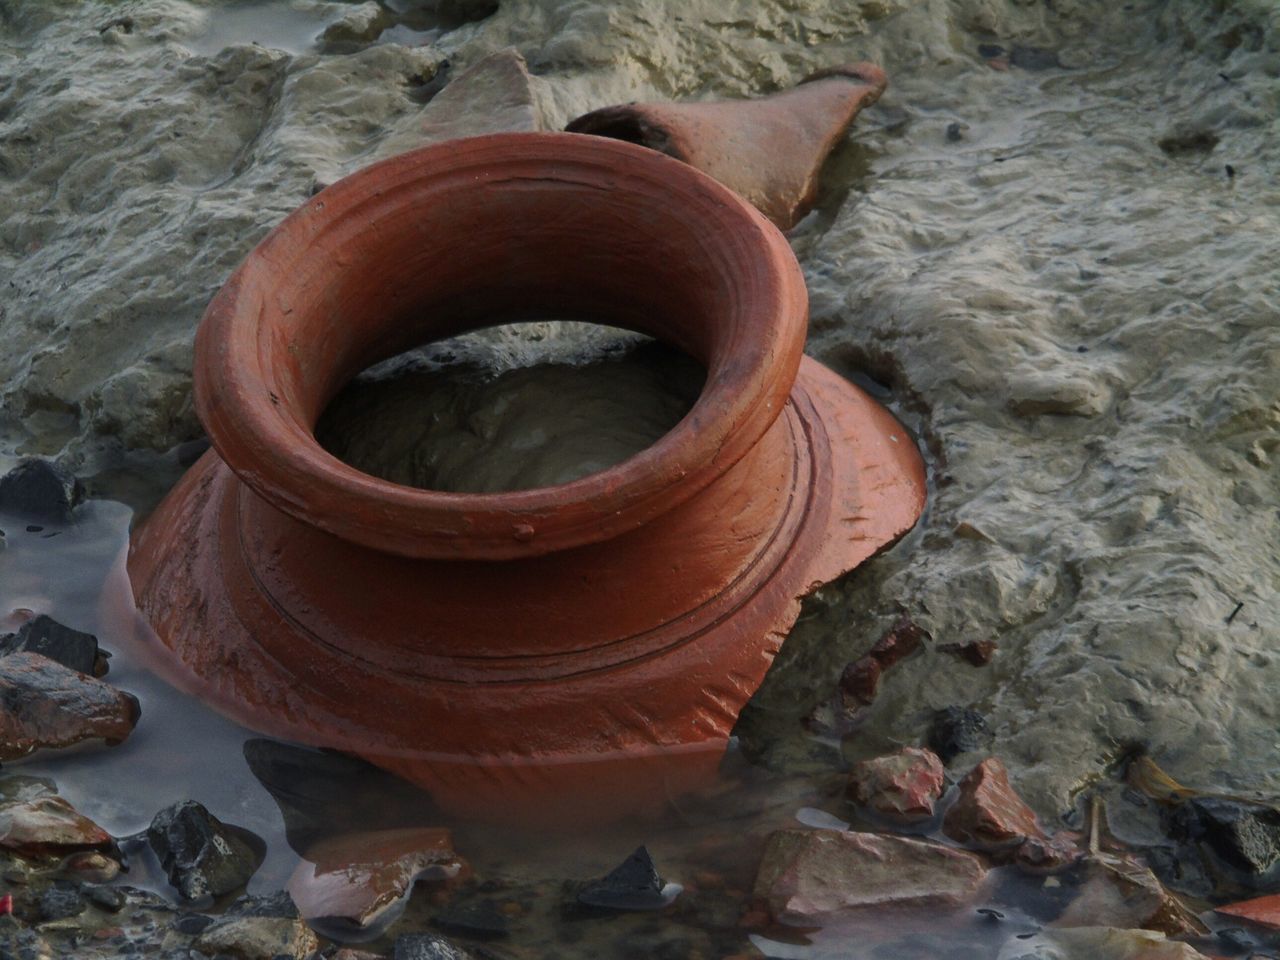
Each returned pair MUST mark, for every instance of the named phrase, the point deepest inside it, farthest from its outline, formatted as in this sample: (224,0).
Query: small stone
(59,903)
(860,682)
(40,490)
(1264,911)
(956,131)
(192,923)
(633,885)
(258,938)
(1048,854)
(957,730)
(201,855)
(903,786)
(988,814)
(24,945)
(48,637)
(1121,892)
(427,946)
(861,679)
(976,652)
(106,898)
(49,827)
(811,876)
(279,904)
(356,879)
(357,26)
(1245,835)
(49,705)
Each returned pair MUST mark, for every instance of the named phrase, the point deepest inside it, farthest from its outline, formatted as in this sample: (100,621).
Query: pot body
(579,651)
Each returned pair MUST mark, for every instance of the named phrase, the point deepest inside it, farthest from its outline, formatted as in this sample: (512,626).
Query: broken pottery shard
(201,855)
(903,786)
(814,875)
(49,705)
(46,636)
(258,938)
(988,814)
(40,490)
(1121,892)
(49,827)
(632,885)
(358,881)
(1260,910)
(769,150)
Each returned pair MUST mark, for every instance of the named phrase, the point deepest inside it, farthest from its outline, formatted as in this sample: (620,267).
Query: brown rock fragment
(861,679)
(976,652)
(812,875)
(49,827)
(988,814)
(49,705)
(903,786)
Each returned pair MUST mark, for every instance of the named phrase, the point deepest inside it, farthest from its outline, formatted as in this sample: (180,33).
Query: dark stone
(860,682)
(633,885)
(1244,835)
(1182,140)
(473,918)
(990,51)
(44,704)
(40,490)
(49,638)
(1034,58)
(278,904)
(427,946)
(201,855)
(110,899)
(59,903)
(192,923)
(957,730)
(955,131)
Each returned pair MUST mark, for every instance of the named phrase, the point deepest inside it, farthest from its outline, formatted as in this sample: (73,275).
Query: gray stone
(258,938)
(201,855)
(41,491)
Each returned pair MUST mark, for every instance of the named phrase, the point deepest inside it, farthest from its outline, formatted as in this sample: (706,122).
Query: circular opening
(515,407)
(470,234)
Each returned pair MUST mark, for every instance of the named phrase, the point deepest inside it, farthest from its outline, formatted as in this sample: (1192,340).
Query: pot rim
(261,427)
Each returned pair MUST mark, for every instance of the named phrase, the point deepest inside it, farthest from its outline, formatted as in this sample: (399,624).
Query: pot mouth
(468,234)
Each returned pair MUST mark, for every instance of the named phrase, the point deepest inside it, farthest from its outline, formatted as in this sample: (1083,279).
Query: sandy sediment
(1073,298)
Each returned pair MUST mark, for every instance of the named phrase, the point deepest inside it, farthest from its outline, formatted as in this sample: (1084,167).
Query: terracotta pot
(576,650)
(769,150)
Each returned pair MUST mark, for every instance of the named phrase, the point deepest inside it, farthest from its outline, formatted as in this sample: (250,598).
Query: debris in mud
(359,882)
(813,875)
(632,885)
(202,856)
(71,648)
(40,490)
(975,652)
(902,786)
(861,679)
(48,705)
(988,814)
(957,730)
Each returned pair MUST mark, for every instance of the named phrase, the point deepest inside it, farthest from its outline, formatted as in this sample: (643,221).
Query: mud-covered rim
(271,447)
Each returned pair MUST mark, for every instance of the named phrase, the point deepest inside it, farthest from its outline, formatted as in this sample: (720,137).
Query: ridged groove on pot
(599,657)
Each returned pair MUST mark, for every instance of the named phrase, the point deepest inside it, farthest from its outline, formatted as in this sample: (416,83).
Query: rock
(358,879)
(59,903)
(860,680)
(1121,892)
(1034,58)
(46,636)
(814,875)
(632,885)
(90,867)
(957,730)
(1261,910)
(976,652)
(40,490)
(956,131)
(278,904)
(1185,139)
(903,786)
(1243,834)
(988,814)
(1048,854)
(1098,943)
(48,705)
(258,938)
(49,827)
(427,946)
(109,899)
(358,25)
(346,953)
(201,855)
(24,945)
(474,918)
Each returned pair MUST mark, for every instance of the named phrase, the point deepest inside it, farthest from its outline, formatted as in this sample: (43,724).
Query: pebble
(59,903)
(861,679)
(632,885)
(49,827)
(258,938)
(812,876)
(46,636)
(40,490)
(428,946)
(957,730)
(903,786)
(49,705)
(201,855)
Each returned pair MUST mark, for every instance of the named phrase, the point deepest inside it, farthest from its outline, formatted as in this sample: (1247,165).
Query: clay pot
(769,150)
(577,650)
